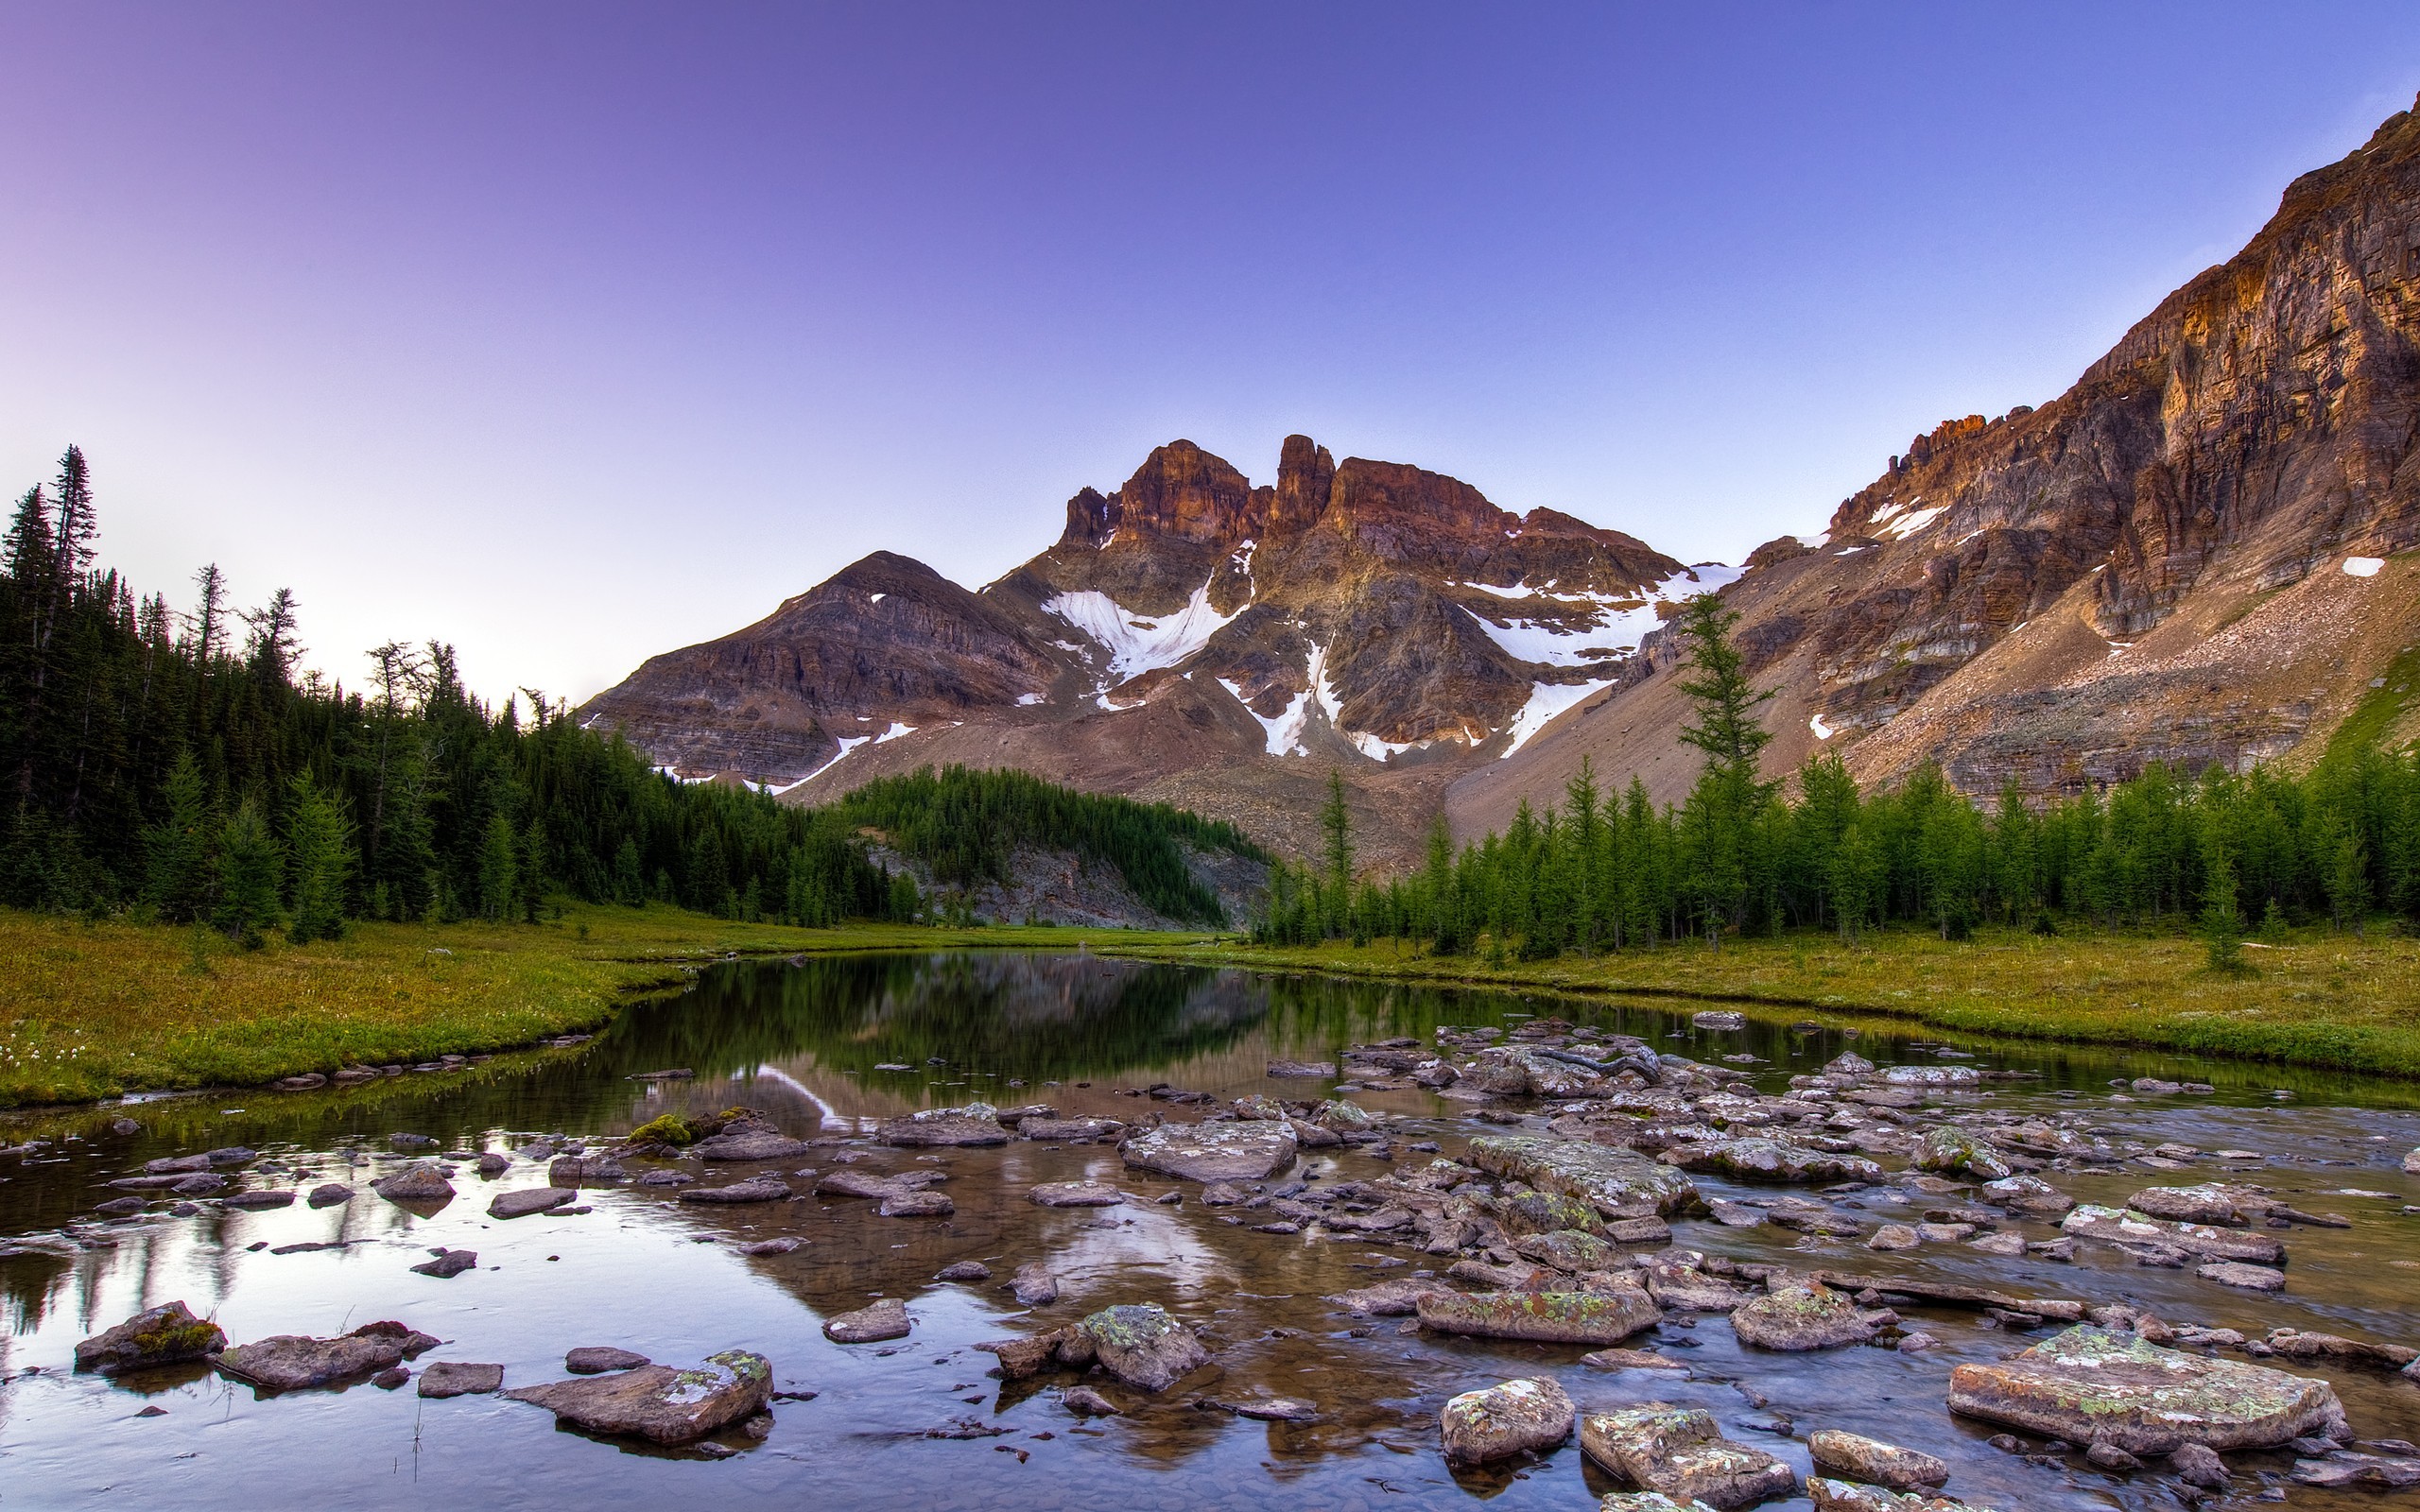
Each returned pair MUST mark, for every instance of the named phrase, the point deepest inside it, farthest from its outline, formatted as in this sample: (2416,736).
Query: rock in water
(1948,1149)
(293,1362)
(2235,1273)
(2213,1202)
(160,1336)
(1677,1450)
(1840,1496)
(1501,1422)
(1069,1130)
(658,1403)
(595,1359)
(329,1193)
(1570,1249)
(2411,1163)
(1812,1317)
(871,1324)
(523,1203)
(417,1183)
(453,1378)
(917,1205)
(1241,1151)
(448,1264)
(1075,1194)
(1397,1298)
(1870,1459)
(2091,1384)
(965,1270)
(1754,1160)
(1142,1346)
(749,1145)
(1034,1285)
(2350,1467)
(2198,1465)
(975,1123)
(1087,1403)
(1549,1318)
(1610,1179)
(2111,1225)
(755,1189)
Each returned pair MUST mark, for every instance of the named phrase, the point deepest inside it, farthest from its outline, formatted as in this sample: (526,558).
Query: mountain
(2202,552)
(1190,638)
(2199,553)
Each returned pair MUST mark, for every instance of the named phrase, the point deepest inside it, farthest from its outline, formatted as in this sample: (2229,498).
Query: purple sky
(573,333)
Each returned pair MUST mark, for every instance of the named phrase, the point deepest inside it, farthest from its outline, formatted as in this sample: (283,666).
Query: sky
(573,333)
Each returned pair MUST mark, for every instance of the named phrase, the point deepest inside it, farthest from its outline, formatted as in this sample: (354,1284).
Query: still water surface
(803,1041)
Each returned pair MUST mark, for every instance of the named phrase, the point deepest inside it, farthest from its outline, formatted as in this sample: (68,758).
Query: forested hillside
(2219,852)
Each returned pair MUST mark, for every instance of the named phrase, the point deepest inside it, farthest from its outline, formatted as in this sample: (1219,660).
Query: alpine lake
(1305,1401)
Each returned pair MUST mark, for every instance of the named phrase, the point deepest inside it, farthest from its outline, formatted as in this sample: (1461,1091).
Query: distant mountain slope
(2167,562)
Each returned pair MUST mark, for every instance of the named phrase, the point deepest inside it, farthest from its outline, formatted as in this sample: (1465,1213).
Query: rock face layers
(2164,563)
(1191,637)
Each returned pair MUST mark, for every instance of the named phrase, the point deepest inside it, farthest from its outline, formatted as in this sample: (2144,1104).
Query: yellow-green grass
(2318,999)
(94,1009)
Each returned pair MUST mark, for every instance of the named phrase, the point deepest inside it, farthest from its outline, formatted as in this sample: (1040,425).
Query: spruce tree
(176,850)
(499,870)
(249,867)
(319,851)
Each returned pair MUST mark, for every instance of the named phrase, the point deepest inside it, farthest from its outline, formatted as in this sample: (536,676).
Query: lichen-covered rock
(658,1403)
(1142,1346)
(1500,1421)
(1762,1159)
(917,1205)
(1932,1077)
(1613,1181)
(1569,1249)
(1946,1148)
(2212,1202)
(1870,1459)
(2026,1194)
(1241,1151)
(1541,1212)
(1684,1287)
(1340,1117)
(1549,1318)
(1812,1317)
(2091,1384)
(294,1362)
(974,1124)
(1679,1452)
(166,1335)
(2111,1225)
(1394,1299)
(871,1324)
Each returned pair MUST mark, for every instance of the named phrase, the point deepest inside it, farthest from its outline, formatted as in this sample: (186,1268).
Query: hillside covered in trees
(175,763)
(1607,871)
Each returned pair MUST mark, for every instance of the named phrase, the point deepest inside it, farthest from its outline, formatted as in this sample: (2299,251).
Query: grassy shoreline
(95,1011)
(2318,999)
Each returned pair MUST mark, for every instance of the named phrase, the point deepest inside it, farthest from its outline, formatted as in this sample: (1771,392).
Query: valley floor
(2318,999)
(93,1010)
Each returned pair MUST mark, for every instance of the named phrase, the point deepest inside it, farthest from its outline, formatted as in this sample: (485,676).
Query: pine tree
(499,870)
(319,849)
(249,867)
(177,849)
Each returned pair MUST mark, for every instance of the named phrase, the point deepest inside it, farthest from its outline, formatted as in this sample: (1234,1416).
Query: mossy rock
(665,1129)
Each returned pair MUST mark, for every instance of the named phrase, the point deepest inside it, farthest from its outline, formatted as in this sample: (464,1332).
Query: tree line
(1602,870)
(174,762)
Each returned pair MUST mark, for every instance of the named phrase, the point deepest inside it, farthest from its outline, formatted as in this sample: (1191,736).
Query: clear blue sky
(571,333)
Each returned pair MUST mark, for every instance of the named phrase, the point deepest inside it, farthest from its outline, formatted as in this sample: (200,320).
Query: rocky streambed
(1060,1232)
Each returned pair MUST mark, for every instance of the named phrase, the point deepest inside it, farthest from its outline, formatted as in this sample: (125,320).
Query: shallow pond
(920,1422)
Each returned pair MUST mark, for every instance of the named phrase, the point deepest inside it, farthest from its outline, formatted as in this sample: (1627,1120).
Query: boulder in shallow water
(1612,1181)
(1840,1496)
(1570,1249)
(527,1200)
(1761,1160)
(166,1335)
(595,1359)
(1034,1284)
(1547,1317)
(917,1205)
(974,1124)
(2091,1384)
(749,1145)
(2212,1202)
(658,1403)
(417,1183)
(328,1193)
(456,1377)
(1239,1151)
(1394,1299)
(871,1324)
(2201,1241)
(1811,1316)
(1679,1452)
(448,1263)
(1951,1150)
(1069,1130)
(2026,1194)
(2351,1468)
(1142,1346)
(755,1189)
(1870,1459)
(295,1361)
(2236,1273)
(1497,1422)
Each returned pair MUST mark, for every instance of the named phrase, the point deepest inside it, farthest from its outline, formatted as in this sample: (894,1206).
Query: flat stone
(586,1171)
(755,1189)
(917,1205)
(1273,1409)
(200,1184)
(1632,1360)
(259,1201)
(1613,1181)
(2235,1273)
(595,1359)
(1497,1422)
(417,1183)
(1812,1317)
(1302,1069)
(658,1403)
(1069,1130)
(1870,1459)
(293,1362)
(120,1207)
(1239,1151)
(1550,1317)
(1569,1249)
(871,1324)
(1691,1290)
(2203,1241)
(1893,1236)
(858,1184)
(1840,1496)
(1679,1452)
(974,1124)
(453,1378)
(779,1244)
(1762,1159)
(1647,1502)
(1392,1298)
(451,1263)
(2091,1384)
(2212,1202)
(1142,1346)
(523,1203)
(2026,1194)
(2349,1467)
(166,1335)
(1932,1077)
(1075,1194)
(749,1145)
